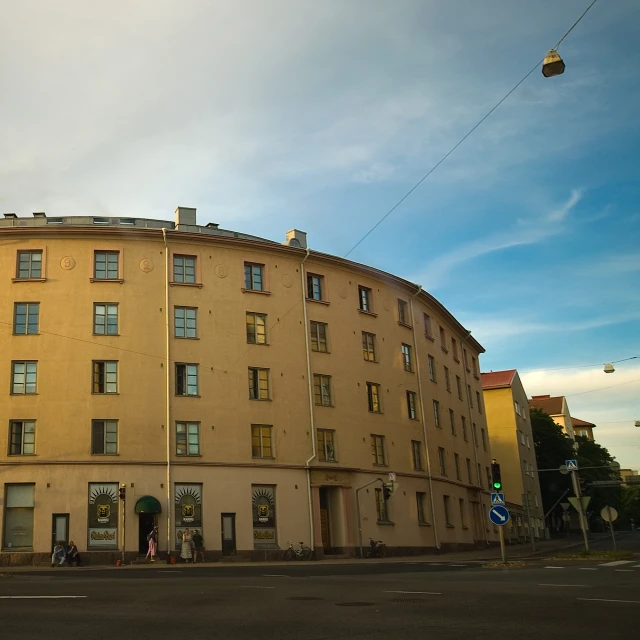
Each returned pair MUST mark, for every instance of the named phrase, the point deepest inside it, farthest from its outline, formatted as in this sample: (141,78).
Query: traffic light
(496,478)
(583,485)
(387,490)
(122,491)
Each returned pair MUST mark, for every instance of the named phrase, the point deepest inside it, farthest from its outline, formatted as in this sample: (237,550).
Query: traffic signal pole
(503,546)
(583,524)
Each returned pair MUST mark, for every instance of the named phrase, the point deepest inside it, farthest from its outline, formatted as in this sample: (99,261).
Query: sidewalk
(521,552)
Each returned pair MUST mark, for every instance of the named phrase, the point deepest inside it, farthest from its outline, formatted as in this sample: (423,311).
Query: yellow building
(513,448)
(557,408)
(229,384)
(583,428)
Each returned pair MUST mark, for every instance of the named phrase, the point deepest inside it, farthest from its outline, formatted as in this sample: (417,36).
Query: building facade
(557,408)
(583,428)
(226,383)
(513,448)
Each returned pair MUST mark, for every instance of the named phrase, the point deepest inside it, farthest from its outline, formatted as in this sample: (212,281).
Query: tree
(629,506)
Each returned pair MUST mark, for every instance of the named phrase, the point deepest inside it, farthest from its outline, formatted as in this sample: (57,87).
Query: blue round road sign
(499,515)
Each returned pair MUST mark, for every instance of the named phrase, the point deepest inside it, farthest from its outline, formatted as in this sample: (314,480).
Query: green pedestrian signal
(496,478)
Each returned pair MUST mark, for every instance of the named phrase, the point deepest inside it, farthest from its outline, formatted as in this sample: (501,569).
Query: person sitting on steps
(58,554)
(73,555)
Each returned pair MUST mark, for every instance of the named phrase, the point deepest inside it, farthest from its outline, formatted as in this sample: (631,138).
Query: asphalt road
(579,600)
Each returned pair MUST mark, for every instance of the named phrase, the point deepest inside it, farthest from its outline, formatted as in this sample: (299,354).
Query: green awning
(148,504)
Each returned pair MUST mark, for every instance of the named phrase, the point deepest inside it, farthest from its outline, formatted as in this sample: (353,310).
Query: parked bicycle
(301,553)
(377,549)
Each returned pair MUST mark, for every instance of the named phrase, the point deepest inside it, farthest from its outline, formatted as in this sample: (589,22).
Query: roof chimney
(185,216)
(39,214)
(296,238)
(10,215)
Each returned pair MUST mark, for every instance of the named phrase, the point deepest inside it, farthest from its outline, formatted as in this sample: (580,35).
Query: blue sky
(320,116)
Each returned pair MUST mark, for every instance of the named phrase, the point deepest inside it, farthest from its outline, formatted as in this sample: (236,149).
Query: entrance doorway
(228,525)
(325,519)
(59,529)
(146,522)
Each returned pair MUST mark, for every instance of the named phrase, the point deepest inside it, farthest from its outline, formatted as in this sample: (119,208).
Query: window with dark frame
(318,336)
(463,520)
(378,450)
(373,397)
(427,325)
(185,321)
(365,295)
(416,452)
(22,437)
(322,390)
(187,438)
(24,377)
(456,460)
(26,318)
(432,368)
(447,379)
(315,287)
(105,376)
(369,346)
(381,507)
(447,510)
(29,265)
(259,384)
(104,437)
(442,461)
(186,379)
(464,428)
(452,421)
(253,276)
(412,412)
(480,476)
(184,269)
(478,402)
(105,319)
(436,414)
(403,314)
(483,434)
(454,348)
(420,500)
(443,339)
(470,479)
(256,328)
(406,357)
(106,265)
(261,441)
(326,445)
(459,387)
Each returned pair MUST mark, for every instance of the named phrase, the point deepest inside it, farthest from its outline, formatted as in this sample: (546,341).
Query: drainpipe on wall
(311,416)
(422,419)
(168,387)
(474,434)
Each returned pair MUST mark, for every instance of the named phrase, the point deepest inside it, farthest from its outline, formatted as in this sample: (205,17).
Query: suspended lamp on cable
(553,64)
(609,368)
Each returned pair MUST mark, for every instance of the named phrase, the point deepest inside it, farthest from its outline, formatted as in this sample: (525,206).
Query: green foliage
(629,506)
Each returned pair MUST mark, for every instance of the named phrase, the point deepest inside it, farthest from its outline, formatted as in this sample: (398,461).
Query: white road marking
(274,575)
(636,566)
(429,593)
(555,567)
(457,565)
(254,586)
(624,570)
(604,600)
(169,571)
(38,597)
(616,563)
(587,568)
(564,585)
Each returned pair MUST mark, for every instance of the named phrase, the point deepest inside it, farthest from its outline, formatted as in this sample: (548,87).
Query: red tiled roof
(498,379)
(581,423)
(552,406)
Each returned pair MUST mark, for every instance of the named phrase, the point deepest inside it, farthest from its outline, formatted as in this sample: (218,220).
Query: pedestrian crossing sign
(497,499)
(572,465)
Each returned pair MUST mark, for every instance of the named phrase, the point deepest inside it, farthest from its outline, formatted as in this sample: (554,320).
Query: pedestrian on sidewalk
(186,553)
(198,546)
(73,555)
(152,538)
(59,553)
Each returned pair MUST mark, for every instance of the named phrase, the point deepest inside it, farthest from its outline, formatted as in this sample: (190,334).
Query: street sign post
(610,515)
(499,515)
(580,504)
(572,465)
(565,505)
(497,499)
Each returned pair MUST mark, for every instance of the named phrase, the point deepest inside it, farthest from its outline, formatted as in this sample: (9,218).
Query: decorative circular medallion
(287,281)
(146,265)
(342,292)
(67,263)
(221,271)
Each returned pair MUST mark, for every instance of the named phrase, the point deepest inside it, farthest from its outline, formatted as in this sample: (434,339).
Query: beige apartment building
(513,448)
(557,408)
(256,391)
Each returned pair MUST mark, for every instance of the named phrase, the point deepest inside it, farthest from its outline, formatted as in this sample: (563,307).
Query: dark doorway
(228,524)
(59,529)
(325,525)
(146,522)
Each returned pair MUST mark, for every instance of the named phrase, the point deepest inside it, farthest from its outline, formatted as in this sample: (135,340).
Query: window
(469,396)
(517,406)
(105,319)
(261,443)
(442,461)
(452,421)
(432,368)
(454,348)
(447,379)
(420,500)
(443,339)
(185,322)
(464,428)
(524,413)
(29,265)
(23,377)
(480,476)
(26,317)
(474,433)
(326,445)
(474,366)
(488,472)
(406,357)
(105,376)
(447,510)
(584,433)
(369,346)
(315,287)
(105,266)
(522,438)
(456,459)
(256,328)
(22,438)
(186,379)
(436,414)
(403,317)
(478,403)
(373,397)
(463,520)
(470,479)
(258,384)
(378,451)
(184,269)
(416,450)
(524,467)
(18,517)
(104,437)
(465,359)
(411,405)
(187,438)
(253,276)
(459,387)
(381,507)
(322,390)
(319,337)
(365,299)
(483,434)
(427,325)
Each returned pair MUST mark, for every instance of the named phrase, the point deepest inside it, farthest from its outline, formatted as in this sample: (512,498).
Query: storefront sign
(188,502)
(264,516)
(103,515)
